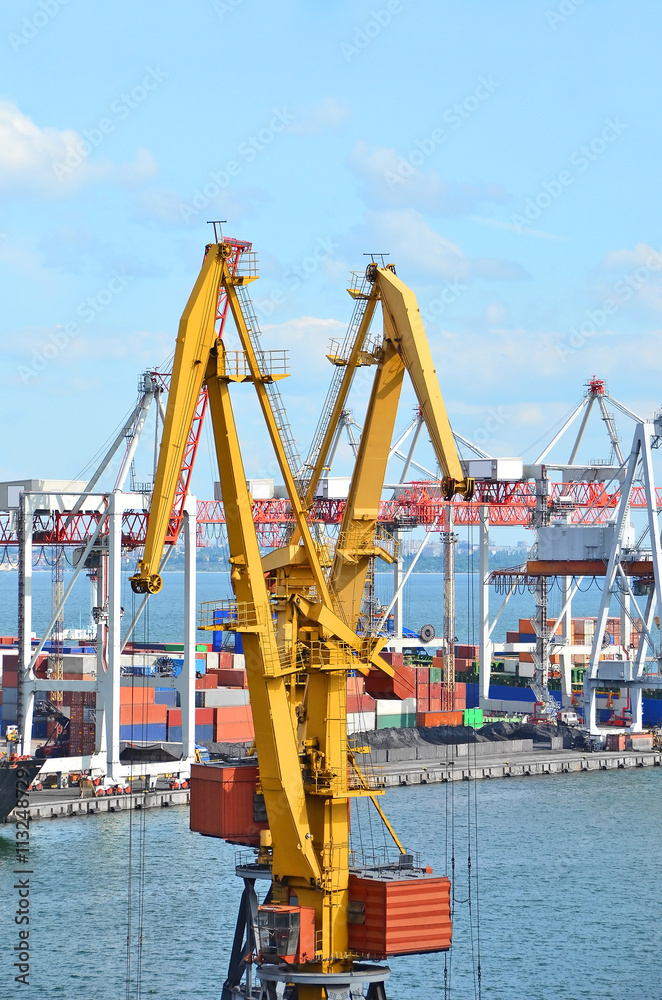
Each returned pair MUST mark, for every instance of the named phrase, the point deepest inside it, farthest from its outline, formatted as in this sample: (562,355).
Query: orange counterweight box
(398,916)
(225,803)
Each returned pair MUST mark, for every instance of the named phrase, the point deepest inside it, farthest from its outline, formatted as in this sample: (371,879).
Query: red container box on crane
(225,803)
(400,915)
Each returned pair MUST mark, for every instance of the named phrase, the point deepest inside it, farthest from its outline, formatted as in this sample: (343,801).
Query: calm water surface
(569,889)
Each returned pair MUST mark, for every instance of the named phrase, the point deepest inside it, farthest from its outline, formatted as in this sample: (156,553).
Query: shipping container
(225,803)
(440,719)
(398,916)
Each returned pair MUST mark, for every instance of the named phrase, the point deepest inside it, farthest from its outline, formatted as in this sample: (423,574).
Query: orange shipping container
(439,718)
(231,713)
(137,695)
(208,681)
(399,916)
(234,732)
(142,715)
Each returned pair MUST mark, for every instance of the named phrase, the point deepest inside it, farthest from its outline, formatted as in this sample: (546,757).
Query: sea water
(566,894)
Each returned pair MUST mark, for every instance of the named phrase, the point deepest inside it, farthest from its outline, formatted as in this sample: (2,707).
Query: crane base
(360,975)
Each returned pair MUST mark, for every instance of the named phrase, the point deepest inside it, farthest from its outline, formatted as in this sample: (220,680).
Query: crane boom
(299,650)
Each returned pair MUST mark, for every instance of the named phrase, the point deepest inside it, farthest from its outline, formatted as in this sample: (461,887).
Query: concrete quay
(56,804)
(500,760)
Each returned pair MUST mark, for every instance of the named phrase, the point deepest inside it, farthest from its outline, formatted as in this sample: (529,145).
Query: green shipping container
(175,647)
(473,717)
(202,648)
(435,675)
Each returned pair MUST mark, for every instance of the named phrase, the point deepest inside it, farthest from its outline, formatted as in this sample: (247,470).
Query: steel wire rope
(550,430)
(130,852)
(142,833)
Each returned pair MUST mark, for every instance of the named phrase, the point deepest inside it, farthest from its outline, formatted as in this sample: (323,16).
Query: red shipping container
(174,717)
(399,687)
(208,681)
(435,704)
(466,652)
(460,688)
(615,741)
(399,916)
(393,659)
(355,685)
(459,703)
(435,689)
(463,666)
(438,661)
(512,636)
(225,661)
(224,803)
(229,678)
(360,703)
(204,716)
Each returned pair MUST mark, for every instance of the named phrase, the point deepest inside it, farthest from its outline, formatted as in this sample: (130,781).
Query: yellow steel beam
(277,444)
(360,515)
(352,363)
(404,326)
(280,771)
(195,338)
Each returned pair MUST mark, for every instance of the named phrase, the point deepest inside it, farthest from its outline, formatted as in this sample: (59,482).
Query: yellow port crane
(323,928)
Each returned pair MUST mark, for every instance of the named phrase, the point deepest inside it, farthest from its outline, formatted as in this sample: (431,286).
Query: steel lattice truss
(420,504)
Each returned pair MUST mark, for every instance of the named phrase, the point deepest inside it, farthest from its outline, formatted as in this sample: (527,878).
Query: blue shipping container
(204,733)
(155,732)
(175,734)
(167,696)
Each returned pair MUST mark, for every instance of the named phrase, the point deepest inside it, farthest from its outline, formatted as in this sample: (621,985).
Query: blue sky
(505,154)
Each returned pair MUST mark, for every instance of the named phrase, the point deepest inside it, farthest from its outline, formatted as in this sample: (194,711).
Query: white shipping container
(212,661)
(361,722)
(238,661)
(333,487)
(500,469)
(525,669)
(79,663)
(225,697)
(391,706)
(260,489)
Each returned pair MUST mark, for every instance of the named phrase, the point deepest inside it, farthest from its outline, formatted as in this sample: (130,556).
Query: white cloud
(331,113)
(50,162)
(641,255)
(386,178)
(407,236)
